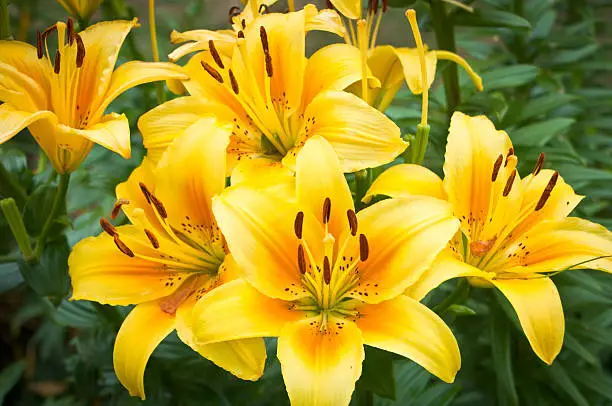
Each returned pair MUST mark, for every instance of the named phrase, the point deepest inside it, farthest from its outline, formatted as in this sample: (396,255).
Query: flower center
(329,280)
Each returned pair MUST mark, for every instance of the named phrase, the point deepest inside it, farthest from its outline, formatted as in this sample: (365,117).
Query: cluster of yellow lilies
(282,252)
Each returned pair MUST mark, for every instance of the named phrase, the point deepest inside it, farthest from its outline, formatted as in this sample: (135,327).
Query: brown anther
(108,227)
(159,206)
(496,167)
(373,6)
(233,82)
(70,30)
(263,9)
(385,5)
(547,191)
(539,164)
(301,259)
(234,12)
(56,64)
(145,192)
(215,54)
(326,270)
(39,45)
(212,72)
(117,207)
(352,219)
(364,248)
(266,49)
(479,248)
(152,238)
(243,24)
(298,224)
(326,210)
(240,34)
(48,31)
(509,183)
(122,247)
(80,56)
(508,155)
(328,4)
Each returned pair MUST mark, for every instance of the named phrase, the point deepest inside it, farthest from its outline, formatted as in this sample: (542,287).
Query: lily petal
(348,8)
(444,268)
(112,132)
(224,40)
(406,327)
(265,174)
(259,230)
(404,237)
(318,177)
(12,121)
(236,310)
(136,73)
(387,67)
(320,368)
(187,192)
(323,20)
(23,57)
(141,332)
(538,307)
(100,272)
(406,180)
(362,136)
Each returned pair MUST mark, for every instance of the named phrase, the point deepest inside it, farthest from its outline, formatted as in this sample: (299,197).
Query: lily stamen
(510,153)
(80,57)
(547,191)
(234,12)
(108,227)
(299,224)
(233,82)
(122,247)
(352,219)
(39,45)
(326,270)
(152,238)
(496,167)
(364,249)
(56,63)
(266,49)
(539,164)
(117,207)
(326,210)
(212,72)
(215,54)
(509,184)
(301,259)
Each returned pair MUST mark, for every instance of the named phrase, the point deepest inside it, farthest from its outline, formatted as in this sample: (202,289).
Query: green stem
(445,37)
(4,259)
(5,22)
(13,218)
(363,181)
(459,292)
(9,187)
(58,203)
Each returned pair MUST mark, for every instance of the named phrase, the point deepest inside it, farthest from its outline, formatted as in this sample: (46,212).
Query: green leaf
(49,277)
(539,134)
(77,314)
(572,55)
(509,76)
(377,375)
(9,378)
(10,277)
(502,357)
(491,18)
(596,381)
(544,104)
(559,376)
(440,394)
(576,347)
(37,209)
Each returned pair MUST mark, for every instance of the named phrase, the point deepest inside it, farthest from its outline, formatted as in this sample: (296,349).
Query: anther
(496,167)
(263,9)
(233,82)
(298,224)
(215,54)
(145,192)
(233,12)
(547,191)
(326,270)
(364,248)
(373,6)
(80,56)
(510,153)
(117,207)
(266,48)
(48,31)
(301,259)
(122,247)
(70,30)
(243,24)
(56,64)
(108,227)
(159,206)
(509,183)
(240,34)
(352,219)
(152,238)
(326,210)
(39,45)
(539,164)
(385,5)
(212,72)
(328,4)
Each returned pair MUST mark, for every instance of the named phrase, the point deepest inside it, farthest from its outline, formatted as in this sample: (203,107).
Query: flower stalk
(159,87)
(58,202)
(5,23)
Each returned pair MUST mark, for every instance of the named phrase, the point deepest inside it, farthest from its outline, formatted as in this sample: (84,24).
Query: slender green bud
(13,218)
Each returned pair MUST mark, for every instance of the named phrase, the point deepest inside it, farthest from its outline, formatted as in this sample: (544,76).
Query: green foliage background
(546,71)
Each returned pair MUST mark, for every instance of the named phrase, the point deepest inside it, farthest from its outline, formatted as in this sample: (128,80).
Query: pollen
(117,207)
(352,219)
(547,191)
(215,54)
(364,248)
(212,72)
(298,224)
(539,164)
(326,210)
(108,227)
(122,247)
(496,167)
(509,184)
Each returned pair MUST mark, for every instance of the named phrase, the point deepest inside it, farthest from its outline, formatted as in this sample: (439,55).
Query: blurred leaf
(77,314)
(9,378)
(539,134)
(594,380)
(10,277)
(544,104)
(573,55)
(502,357)
(37,209)
(562,380)
(49,277)
(508,76)
(491,18)
(574,345)
(377,373)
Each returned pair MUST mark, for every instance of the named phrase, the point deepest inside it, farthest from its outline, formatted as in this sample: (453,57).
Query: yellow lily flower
(326,281)
(82,9)
(390,65)
(170,255)
(62,99)
(277,99)
(515,232)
